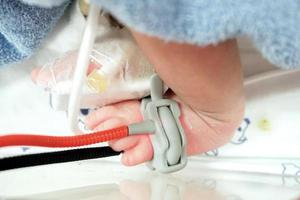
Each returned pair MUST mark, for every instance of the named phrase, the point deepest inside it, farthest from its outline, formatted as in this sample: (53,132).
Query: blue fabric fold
(23,28)
(273,25)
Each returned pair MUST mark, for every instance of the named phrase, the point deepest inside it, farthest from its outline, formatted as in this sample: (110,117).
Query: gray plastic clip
(168,139)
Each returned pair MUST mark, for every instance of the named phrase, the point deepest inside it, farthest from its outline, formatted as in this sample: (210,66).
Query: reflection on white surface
(100,179)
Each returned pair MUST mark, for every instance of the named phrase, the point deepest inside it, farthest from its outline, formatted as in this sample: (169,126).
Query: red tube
(63,141)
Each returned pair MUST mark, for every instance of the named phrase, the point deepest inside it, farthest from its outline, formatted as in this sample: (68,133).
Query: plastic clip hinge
(168,139)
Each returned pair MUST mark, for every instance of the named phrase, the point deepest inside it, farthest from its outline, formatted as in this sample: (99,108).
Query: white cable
(81,67)
(268,75)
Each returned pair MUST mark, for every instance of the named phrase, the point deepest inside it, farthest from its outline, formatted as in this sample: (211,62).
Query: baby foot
(137,149)
(204,131)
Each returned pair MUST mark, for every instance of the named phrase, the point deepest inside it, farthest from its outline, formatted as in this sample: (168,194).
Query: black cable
(55,157)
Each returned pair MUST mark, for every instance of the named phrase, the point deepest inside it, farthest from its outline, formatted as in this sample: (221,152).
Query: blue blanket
(23,26)
(273,25)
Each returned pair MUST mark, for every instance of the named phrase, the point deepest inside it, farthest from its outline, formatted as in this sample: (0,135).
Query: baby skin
(205,81)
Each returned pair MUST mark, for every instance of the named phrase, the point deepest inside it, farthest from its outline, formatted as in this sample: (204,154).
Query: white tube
(81,67)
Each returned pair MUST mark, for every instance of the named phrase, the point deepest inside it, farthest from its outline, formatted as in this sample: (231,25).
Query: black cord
(55,157)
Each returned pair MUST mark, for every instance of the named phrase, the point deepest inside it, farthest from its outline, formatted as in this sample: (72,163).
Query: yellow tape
(97,81)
